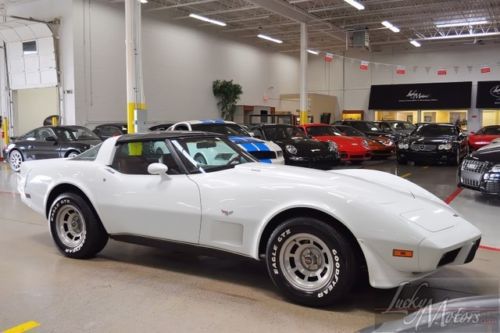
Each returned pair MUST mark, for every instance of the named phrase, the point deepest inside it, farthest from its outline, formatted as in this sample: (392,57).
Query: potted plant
(228,93)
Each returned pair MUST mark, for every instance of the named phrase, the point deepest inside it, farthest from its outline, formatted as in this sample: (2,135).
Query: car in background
(308,227)
(433,143)
(480,170)
(161,127)
(484,136)
(370,128)
(351,149)
(297,147)
(398,128)
(105,131)
(380,148)
(50,142)
(264,151)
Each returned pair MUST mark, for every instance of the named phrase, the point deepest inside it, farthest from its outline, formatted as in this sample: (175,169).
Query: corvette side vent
(448,257)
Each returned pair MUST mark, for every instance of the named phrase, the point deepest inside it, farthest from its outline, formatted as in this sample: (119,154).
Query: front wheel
(310,262)
(75,227)
(72,153)
(15,160)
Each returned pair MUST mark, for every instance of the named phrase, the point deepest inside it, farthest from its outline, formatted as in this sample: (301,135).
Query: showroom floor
(130,288)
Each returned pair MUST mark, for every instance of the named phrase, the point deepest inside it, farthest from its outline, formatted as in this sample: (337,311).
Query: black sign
(488,95)
(421,96)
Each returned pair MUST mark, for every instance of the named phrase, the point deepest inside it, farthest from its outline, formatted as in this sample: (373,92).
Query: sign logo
(415,95)
(495,91)
(226,212)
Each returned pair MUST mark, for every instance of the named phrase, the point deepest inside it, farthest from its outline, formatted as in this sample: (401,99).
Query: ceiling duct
(360,39)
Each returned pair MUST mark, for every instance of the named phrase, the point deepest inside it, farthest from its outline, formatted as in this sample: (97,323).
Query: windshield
(349,131)
(225,129)
(322,131)
(210,154)
(492,130)
(283,132)
(88,155)
(368,126)
(402,125)
(435,130)
(75,133)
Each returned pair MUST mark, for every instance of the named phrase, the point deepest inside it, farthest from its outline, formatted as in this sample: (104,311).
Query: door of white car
(134,202)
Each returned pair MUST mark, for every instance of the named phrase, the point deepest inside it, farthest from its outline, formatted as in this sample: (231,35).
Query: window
(76,133)
(42,134)
(88,155)
(30,47)
(133,158)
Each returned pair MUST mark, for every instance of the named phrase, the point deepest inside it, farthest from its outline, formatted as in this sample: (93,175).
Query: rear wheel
(15,160)
(75,227)
(310,262)
(72,153)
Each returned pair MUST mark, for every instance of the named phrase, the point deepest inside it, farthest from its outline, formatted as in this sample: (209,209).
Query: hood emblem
(226,212)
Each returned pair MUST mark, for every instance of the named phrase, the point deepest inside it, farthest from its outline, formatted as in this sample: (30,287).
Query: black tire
(328,249)
(83,238)
(200,159)
(72,153)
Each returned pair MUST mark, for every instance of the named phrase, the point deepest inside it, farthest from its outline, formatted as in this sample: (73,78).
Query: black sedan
(105,131)
(433,143)
(50,142)
(298,148)
(397,128)
(480,170)
(370,128)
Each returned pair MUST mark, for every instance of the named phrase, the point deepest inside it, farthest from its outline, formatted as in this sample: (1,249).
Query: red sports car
(484,136)
(354,150)
(381,147)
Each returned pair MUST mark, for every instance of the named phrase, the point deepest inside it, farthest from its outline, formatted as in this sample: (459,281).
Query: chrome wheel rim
(15,160)
(70,226)
(72,154)
(306,262)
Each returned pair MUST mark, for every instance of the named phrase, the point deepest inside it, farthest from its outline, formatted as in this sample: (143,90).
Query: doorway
(32,106)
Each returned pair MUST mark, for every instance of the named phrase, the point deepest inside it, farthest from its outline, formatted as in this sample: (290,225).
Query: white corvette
(316,231)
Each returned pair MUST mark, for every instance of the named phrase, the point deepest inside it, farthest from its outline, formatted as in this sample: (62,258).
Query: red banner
(328,57)
(363,66)
(400,70)
(485,69)
(442,72)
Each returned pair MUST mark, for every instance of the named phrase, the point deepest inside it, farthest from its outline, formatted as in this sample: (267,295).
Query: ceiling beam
(179,5)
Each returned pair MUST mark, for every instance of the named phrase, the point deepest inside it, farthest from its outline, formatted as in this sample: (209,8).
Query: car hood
(490,154)
(244,139)
(343,140)
(433,139)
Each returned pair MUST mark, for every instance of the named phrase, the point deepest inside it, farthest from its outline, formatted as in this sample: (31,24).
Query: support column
(303,74)
(136,102)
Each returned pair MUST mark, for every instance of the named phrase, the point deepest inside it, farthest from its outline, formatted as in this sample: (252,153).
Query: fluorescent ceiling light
(143,1)
(355,4)
(391,26)
(274,40)
(206,19)
(460,24)
(415,43)
(313,52)
(472,35)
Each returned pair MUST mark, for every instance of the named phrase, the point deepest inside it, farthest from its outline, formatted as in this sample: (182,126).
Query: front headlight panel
(445,146)
(403,145)
(291,149)
(332,146)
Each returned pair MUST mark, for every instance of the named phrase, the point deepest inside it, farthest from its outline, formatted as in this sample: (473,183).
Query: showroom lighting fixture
(143,1)
(460,24)
(390,26)
(206,19)
(355,4)
(415,43)
(469,35)
(313,52)
(274,40)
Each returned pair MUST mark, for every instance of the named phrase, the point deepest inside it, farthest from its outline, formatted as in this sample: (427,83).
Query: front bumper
(320,159)
(482,179)
(427,156)
(355,156)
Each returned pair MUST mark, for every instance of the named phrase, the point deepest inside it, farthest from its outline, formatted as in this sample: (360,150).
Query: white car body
(229,210)
(248,144)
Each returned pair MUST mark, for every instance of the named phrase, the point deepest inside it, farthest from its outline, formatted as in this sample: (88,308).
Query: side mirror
(51,139)
(157,169)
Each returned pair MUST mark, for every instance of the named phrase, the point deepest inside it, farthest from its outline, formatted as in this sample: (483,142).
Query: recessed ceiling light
(391,26)
(355,4)
(415,43)
(460,24)
(274,40)
(206,19)
(313,52)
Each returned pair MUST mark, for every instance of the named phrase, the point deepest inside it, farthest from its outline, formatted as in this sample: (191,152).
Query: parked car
(264,151)
(370,128)
(297,147)
(105,131)
(161,127)
(50,142)
(433,143)
(397,128)
(480,170)
(352,149)
(380,148)
(484,136)
(308,226)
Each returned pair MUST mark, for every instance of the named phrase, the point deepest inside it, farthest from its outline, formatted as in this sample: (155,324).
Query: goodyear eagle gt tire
(75,227)
(310,262)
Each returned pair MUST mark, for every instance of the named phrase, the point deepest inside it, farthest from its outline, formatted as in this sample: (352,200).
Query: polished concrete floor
(130,288)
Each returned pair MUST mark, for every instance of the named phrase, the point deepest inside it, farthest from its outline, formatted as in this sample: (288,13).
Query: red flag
(363,66)
(328,57)
(485,69)
(442,71)
(400,70)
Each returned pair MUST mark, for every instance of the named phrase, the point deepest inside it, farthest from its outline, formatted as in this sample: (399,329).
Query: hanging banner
(421,96)
(401,70)
(485,69)
(328,57)
(488,95)
(442,71)
(364,65)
